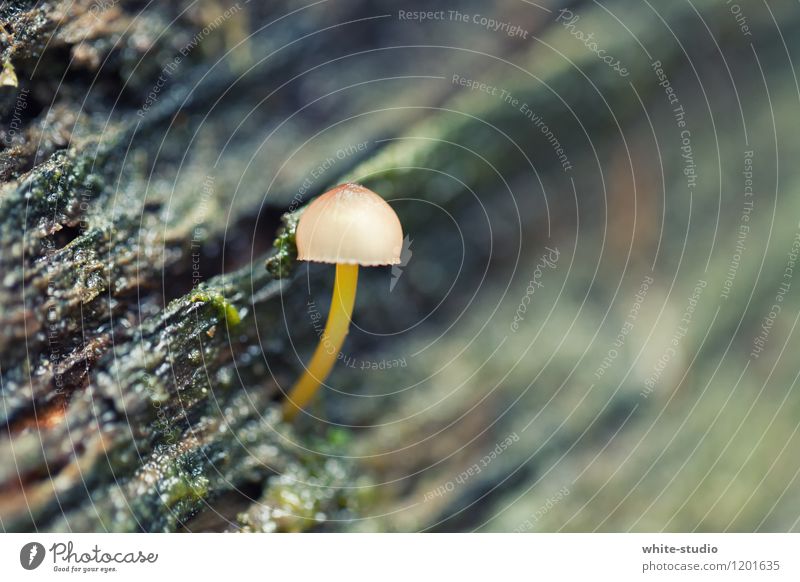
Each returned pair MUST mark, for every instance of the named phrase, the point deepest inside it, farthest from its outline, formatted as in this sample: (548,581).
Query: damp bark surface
(153,313)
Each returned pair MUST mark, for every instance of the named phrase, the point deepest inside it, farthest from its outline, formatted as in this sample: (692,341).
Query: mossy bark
(152,310)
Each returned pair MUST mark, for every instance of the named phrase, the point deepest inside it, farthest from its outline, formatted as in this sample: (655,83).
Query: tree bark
(153,311)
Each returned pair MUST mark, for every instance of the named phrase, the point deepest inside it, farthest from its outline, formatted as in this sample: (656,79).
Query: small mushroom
(348,226)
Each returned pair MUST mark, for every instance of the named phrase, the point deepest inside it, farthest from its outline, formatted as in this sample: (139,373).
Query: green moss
(311,489)
(280,264)
(8,77)
(339,438)
(224,308)
(54,191)
(175,478)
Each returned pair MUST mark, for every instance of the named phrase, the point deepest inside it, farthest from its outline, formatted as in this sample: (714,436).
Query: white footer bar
(355,557)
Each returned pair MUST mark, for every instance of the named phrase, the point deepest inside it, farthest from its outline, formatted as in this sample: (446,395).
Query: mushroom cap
(349,224)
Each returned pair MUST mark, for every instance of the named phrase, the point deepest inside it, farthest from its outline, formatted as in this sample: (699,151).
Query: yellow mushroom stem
(330,344)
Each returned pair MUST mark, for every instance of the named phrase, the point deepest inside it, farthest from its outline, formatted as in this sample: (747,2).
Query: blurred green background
(594,329)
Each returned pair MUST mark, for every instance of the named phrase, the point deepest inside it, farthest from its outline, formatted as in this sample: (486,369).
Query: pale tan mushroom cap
(349,224)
